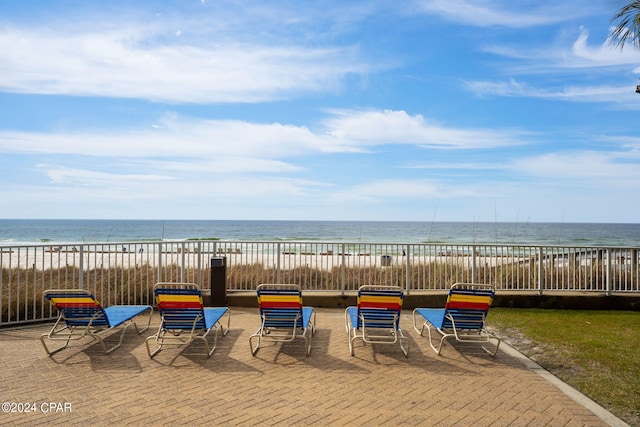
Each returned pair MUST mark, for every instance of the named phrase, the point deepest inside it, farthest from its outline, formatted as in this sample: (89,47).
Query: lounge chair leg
(154,352)
(55,331)
(495,350)
(52,352)
(307,334)
(225,331)
(158,339)
(139,331)
(215,342)
(439,349)
(104,347)
(347,323)
(307,344)
(206,348)
(255,336)
(313,324)
(415,325)
(351,339)
(404,347)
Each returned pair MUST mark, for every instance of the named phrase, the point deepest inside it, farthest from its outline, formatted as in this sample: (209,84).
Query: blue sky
(418,110)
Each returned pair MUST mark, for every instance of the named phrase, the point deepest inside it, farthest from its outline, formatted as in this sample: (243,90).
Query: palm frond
(627,29)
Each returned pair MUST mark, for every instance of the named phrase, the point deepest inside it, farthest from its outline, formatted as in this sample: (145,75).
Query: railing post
(473,264)
(81,268)
(608,273)
(278,263)
(182,263)
(540,270)
(199,263)
(408,266)
(634,270)
(160,278)
(215,253)
(342,271)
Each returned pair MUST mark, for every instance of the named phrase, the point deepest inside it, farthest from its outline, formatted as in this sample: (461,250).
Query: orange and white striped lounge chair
(283,318)
(183,318)
(463,317)
(376,318)
(81,315)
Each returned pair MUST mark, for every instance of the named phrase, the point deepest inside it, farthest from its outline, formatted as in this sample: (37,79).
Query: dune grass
(596,352)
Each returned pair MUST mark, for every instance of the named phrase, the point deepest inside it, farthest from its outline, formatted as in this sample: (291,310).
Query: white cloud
(457,166)
(513,88)
(599,55)
(385,190)
(375,127)
(176,138)
(557,57)
(490,13)
(92,185)
(560,63)
(179,137)
(62,175)
(613,170)
(219,166)
(129,63)
(629,143)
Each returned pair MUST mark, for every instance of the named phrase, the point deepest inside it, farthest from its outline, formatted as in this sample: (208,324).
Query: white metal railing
(124,273)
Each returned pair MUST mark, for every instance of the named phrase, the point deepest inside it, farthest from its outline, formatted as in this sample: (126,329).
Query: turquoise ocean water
(27,232)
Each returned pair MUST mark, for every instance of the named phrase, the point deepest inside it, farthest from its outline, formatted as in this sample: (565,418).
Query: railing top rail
(8,246)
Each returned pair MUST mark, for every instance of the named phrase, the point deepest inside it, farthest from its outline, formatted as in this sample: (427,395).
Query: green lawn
(597,352)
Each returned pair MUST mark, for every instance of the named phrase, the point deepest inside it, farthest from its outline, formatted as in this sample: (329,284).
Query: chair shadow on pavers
(184,319)
(283,317)
(80,315)
(376,318)
(226,356)
(124,360)
(463,317)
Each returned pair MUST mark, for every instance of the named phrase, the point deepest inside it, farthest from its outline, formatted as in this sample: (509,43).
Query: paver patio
(379,386)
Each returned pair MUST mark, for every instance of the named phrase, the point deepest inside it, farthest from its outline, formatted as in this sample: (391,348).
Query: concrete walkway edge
(574,394)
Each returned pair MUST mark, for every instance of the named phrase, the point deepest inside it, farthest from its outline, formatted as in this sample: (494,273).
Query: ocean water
(28,232)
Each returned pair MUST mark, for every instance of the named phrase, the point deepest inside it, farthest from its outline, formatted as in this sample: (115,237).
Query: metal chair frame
(281,323)
(181,325)
(463,324)
(377,326)
(82,316)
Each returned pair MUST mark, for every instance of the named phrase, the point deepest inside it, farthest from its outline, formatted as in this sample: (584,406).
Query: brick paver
(378,386)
